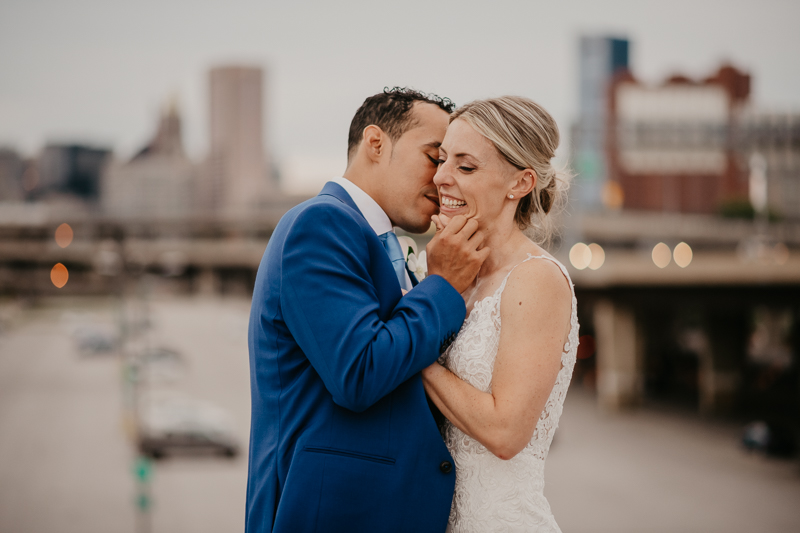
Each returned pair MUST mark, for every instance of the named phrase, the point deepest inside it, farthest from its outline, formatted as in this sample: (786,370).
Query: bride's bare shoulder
(539,280)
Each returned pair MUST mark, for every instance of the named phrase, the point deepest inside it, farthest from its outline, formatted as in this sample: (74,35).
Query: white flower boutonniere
(415,261)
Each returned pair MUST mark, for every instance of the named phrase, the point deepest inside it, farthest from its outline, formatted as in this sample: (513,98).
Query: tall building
(237,175)
(159,181)
(601,60)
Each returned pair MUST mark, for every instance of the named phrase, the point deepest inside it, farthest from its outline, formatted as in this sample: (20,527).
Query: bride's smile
(452,205)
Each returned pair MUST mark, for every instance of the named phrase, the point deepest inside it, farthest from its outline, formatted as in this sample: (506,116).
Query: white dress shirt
(376,217)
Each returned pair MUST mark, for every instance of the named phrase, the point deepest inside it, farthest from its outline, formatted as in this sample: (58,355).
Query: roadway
(65,460)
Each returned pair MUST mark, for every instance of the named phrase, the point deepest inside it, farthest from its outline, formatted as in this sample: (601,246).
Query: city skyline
(92,72)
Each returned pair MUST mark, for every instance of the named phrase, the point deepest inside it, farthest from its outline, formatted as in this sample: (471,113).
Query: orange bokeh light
(64,235)
(613,196)
(59,275)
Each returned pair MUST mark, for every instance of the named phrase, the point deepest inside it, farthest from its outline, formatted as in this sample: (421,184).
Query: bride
(502,388)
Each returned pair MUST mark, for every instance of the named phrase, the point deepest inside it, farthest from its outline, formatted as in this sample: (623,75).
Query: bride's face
(473,179)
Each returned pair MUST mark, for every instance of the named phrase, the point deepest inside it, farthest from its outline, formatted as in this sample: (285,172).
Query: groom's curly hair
(391,112)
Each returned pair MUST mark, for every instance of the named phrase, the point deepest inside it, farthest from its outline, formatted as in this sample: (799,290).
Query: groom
(342,438)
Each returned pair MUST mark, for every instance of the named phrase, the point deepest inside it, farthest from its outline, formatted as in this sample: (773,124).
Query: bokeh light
(598,256)
(661,255)
(59,275)
(64,235)
(580,256)
(682,254)
(613,195)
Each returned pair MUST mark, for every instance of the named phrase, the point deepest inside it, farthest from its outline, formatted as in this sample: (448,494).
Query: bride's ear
(525,183)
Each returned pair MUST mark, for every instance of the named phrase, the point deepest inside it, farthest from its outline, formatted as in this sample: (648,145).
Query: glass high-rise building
(600,59)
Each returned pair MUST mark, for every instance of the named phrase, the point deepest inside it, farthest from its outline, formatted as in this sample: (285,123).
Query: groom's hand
(455,252)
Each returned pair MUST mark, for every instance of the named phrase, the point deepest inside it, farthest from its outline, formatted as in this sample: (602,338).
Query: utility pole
(143,472)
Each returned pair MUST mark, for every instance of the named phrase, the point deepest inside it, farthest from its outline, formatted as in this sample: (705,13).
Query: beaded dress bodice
(492,494)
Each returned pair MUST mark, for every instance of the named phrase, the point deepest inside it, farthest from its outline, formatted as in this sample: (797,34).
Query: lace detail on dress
(492,494)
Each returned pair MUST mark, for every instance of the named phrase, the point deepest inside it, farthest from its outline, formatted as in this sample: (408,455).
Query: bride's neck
(504,239)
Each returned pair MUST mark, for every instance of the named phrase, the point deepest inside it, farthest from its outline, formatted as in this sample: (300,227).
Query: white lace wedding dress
(492,494)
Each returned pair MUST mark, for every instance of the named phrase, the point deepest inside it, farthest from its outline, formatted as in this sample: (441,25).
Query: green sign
(142,469)
(143,502)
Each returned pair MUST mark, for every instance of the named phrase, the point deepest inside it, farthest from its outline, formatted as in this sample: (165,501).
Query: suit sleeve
(330,305)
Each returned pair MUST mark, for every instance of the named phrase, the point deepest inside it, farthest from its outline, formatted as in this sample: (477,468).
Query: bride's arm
(535,312)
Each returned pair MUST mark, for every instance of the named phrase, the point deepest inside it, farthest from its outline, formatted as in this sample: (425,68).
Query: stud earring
(511,196)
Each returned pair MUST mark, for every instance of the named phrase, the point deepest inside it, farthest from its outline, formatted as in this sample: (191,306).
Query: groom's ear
(525,183)
(375,142)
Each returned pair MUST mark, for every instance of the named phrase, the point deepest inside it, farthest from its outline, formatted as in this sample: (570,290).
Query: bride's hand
(404,291)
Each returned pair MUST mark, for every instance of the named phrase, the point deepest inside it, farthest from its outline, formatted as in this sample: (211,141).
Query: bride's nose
(442,176)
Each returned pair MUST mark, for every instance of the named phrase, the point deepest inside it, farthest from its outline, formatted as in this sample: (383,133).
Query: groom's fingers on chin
(470,227)
(456,223)
(477,239)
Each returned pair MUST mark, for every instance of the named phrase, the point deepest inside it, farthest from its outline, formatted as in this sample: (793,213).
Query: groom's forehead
(428,122)
(427,112)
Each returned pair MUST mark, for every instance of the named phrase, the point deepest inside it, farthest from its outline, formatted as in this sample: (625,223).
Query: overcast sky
(99,70)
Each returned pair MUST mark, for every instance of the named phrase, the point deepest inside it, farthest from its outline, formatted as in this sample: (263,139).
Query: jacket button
(446,467)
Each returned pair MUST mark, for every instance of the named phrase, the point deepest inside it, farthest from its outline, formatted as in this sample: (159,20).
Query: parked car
(95,339)
(173,424)
(161,365)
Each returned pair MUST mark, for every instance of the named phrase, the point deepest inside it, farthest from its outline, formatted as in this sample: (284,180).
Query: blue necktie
(396,256)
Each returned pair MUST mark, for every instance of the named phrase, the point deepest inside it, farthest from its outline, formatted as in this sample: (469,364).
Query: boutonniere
(416,262)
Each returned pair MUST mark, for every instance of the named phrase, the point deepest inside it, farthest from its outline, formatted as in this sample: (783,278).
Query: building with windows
(671,147)
(158,182)
(774,138)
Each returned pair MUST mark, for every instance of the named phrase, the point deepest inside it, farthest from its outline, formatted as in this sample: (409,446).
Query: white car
(170,423)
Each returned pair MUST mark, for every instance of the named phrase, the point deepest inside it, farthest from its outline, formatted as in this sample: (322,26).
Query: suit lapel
(338,192)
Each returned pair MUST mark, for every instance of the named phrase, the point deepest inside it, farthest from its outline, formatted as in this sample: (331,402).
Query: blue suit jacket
(342,438)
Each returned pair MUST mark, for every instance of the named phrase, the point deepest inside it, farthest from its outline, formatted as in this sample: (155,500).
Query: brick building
(673,147)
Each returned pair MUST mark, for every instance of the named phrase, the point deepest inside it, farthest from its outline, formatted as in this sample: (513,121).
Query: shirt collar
(376,217)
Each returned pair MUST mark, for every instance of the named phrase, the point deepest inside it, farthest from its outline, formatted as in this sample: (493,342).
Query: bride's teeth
(453,203)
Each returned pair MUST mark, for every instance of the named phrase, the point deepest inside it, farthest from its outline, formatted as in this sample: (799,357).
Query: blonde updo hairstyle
(527,137)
